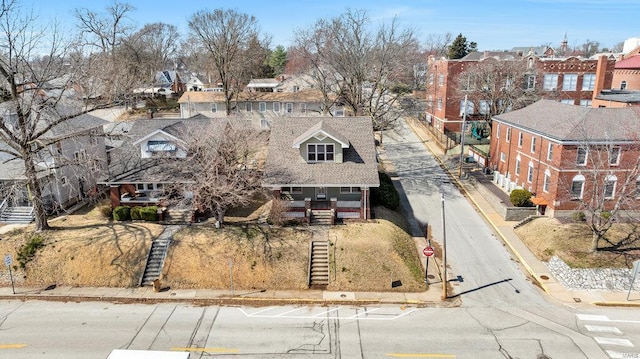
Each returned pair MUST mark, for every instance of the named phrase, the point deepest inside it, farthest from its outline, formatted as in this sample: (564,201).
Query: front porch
(351,203)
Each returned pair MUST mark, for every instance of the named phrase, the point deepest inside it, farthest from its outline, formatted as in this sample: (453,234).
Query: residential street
(482,271)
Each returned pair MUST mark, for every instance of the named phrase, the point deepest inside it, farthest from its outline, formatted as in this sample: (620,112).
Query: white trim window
(276,107)
(614,156)
(530,172)
(288,107)
(577,186)
(508,138)
(550,151)
(498,132)
(320,152)
(303,107)
(623,85)
(291,190)
(533,145)
(609,186)
(517,167)
(262,107)
(581,158)
(248,107)
(568,101)
(214,107)
(520,139)
(585,103)
(531,82)
(569,82)
(503,157)
(588,82)
(550,82)
(547,181)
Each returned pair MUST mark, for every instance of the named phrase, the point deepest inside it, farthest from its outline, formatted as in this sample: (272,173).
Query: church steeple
(564,45)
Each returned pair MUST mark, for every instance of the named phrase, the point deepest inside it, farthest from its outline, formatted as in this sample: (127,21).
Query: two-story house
(568,156)
(322,164)
(68,167)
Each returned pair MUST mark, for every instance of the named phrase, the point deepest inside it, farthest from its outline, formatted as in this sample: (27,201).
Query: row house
(570,80)
(568,156)
(262,107)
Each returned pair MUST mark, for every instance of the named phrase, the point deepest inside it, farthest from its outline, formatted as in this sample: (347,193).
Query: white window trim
(262,106)
(610,179)
(530,173)
(508,136)
(547,181)
(586,154)
(550,151)
(577,178)
(520,139)
(325,152)
(617,159)
(533,145)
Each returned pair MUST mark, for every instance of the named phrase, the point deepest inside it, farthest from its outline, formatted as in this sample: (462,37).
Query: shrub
(386,195)
(149,213)
(579,216)
(122,213)
(28,250)
(605,215)
(135,212)
(520,198)
(106,211)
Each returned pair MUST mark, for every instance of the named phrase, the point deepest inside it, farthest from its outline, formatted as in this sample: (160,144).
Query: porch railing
(3,205)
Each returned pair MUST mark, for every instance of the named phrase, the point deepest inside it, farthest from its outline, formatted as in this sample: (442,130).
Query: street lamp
(444,252)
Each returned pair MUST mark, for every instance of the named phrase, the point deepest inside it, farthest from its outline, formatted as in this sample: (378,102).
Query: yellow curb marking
(421,355)
(12,346)
(213,350)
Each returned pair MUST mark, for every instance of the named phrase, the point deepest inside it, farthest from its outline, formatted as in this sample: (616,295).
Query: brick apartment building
(568,156)
(566,79)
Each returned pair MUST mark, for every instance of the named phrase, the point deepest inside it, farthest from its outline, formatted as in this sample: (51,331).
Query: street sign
(8,260)
(428,251)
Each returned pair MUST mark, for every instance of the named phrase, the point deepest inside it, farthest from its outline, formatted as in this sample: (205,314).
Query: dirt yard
(572,243)
(84,249)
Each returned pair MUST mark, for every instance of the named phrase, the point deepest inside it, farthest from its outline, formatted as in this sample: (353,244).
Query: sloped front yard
(86,250)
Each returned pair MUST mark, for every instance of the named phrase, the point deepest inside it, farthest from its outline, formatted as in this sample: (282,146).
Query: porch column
(276,193)
(365,204)
(307,209)
(334,210)
(114,195)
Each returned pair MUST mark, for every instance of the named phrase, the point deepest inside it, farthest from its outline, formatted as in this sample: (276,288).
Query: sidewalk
(537,270)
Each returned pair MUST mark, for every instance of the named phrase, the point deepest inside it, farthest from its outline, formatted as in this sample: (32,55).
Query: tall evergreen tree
(460,47)
(278,59)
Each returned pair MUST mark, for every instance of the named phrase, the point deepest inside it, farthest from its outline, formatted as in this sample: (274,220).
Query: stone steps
(321,217)
(319,264)
(155,261)
(22,214)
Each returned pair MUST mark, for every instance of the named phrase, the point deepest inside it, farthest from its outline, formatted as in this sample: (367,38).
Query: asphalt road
(36,329)
(480,269)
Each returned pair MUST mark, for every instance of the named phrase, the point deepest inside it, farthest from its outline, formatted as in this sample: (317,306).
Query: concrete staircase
(319,264)
(178,215)
(17,215)
(322,217)
(156,256)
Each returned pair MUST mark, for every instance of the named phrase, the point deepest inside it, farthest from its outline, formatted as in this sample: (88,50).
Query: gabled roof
(161,133)
(631,63)
(284,165)
(571,123)
(321,129)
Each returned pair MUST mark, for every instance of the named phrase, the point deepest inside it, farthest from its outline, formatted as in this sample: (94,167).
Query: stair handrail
(3,205)
(310,259)
(31,212)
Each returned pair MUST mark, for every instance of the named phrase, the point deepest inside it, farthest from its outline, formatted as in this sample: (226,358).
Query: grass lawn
(572,243)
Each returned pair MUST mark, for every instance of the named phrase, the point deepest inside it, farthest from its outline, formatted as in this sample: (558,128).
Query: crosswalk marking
(602,329)
(617,355)
(593,318)
(614,341)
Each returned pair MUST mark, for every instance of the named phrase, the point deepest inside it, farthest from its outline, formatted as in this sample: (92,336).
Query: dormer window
(158,148)
(317,152)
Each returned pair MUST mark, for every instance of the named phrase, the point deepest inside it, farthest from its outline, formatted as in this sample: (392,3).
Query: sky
(492,24)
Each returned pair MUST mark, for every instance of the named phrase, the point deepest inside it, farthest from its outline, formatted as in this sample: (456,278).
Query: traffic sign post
(428,252)
(8,260)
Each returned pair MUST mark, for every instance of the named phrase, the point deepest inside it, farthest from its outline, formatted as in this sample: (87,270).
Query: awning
(539,201)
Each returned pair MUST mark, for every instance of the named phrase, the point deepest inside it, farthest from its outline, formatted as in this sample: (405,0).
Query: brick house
(568,79)
(568,156)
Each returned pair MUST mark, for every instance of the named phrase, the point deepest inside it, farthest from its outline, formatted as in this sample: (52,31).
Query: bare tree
(40,97)
(371,69)
(221,167)
(226,35)
(493,87)
(608,186)
(106,33)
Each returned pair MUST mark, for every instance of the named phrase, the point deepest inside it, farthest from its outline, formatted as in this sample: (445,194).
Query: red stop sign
(428,251)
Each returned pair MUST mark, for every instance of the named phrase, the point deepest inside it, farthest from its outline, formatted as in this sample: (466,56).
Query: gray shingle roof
(127,165)
(565,122)
(285,166)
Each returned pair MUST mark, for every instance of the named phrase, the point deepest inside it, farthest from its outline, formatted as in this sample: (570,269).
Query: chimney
(485,54)
(601,74)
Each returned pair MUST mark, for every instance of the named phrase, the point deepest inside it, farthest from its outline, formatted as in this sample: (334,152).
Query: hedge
(385,195)
(122,213)
(520,198)
(135,212)
(149,213)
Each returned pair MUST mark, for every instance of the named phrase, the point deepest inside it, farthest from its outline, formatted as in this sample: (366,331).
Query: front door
(321,193)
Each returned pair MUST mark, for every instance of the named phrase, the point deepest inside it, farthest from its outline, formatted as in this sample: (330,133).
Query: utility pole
(464,122)
(445,282)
